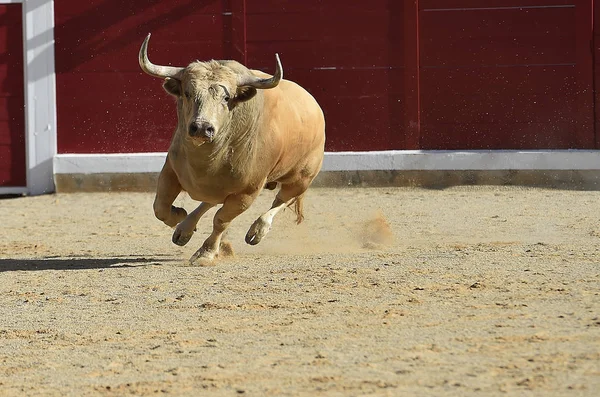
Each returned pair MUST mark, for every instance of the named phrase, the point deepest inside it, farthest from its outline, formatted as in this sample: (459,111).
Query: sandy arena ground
(380,292)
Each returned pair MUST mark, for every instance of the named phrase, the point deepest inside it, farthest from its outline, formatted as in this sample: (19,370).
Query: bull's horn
(257,82)
(152,69)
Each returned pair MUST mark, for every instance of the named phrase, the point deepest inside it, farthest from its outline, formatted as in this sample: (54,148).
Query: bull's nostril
(202,129)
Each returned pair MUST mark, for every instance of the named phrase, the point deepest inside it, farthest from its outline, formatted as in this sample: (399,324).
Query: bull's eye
(226,97)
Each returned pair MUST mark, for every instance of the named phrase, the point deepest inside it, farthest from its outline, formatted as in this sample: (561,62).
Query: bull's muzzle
(202,130)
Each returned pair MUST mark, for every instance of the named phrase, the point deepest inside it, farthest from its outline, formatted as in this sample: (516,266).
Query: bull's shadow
(80,263)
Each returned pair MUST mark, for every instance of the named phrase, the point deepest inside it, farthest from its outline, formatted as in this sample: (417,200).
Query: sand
(380,292)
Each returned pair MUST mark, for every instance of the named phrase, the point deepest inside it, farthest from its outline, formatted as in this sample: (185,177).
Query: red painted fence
(12,115)
(389,74)
(507,75)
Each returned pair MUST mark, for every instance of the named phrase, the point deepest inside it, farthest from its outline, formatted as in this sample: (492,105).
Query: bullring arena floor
(380,292)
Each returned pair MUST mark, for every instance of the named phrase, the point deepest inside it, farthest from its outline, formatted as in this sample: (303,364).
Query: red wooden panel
(456,95)
(112,11)
(500,77)
(350,57)
(13,140)
(596,45)
(363,108)
(327,52)
(294,26)
(349,82)
(12,115)
(7,28)
(346,36)
(11,110)
(501,135)
(129,112)
(100,47)
(444,4)
(97,46)
(584,109)
(9,84)
(11,46)
(161,51)
(501,97)
(314,6)
(410,122)
(106,104)
(498,37)
(357,126)
(238,31)
(12,165)
(361,63)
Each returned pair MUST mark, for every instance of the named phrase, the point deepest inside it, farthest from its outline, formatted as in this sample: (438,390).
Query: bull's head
(207,92)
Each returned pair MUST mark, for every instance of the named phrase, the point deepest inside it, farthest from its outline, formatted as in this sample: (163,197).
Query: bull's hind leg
(288,195)
(166,192)
(185,230)
(233,206)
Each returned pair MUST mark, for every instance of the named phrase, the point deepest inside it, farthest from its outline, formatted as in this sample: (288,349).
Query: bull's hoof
(257,231)
(180,238)
(252,239)
(203,257)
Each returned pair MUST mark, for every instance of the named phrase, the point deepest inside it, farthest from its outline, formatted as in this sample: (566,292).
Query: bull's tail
(299,208)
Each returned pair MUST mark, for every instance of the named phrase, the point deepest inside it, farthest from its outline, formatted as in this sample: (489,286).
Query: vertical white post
(40,94)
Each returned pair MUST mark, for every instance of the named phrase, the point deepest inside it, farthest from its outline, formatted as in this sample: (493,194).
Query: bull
(238,131)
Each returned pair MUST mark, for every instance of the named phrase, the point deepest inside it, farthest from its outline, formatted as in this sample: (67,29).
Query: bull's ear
(172,86)
(244,94)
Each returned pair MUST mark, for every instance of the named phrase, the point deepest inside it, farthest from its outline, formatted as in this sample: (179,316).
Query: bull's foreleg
(184,231)
(166,192)
(233,206)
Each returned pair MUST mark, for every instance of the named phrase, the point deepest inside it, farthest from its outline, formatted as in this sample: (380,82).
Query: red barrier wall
(12,115)
(513,74)
(428,74)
